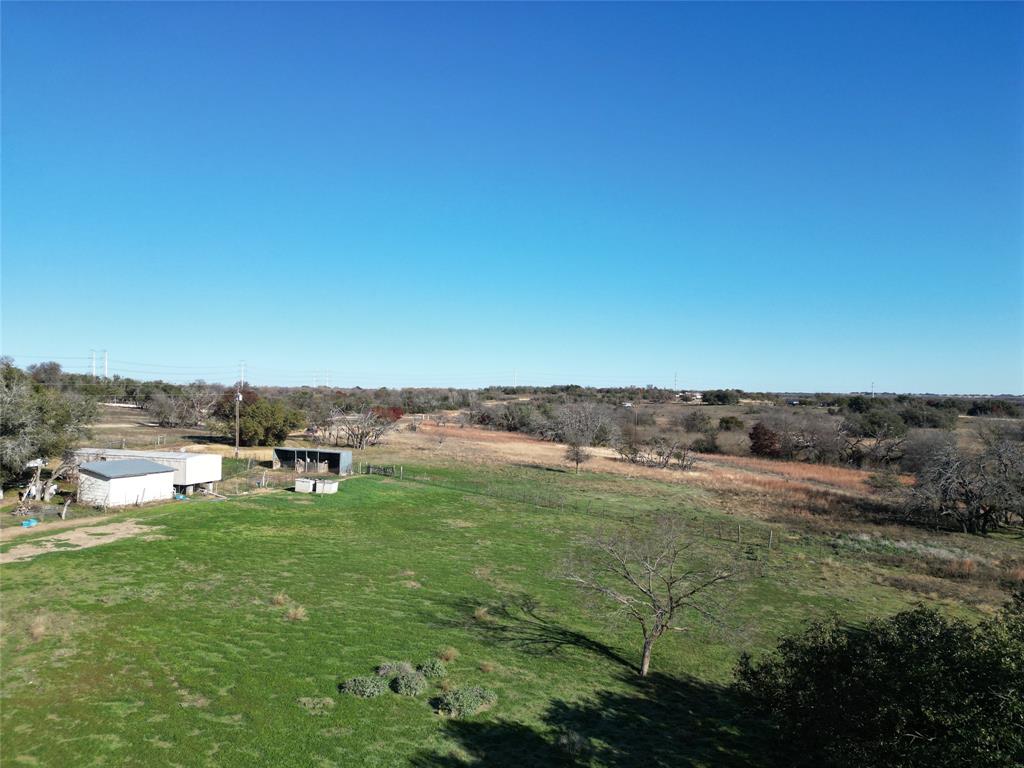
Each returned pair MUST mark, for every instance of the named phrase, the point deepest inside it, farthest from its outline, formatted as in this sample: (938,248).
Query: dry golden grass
(487,666)
(1016,575)
(481,614)
(961,569)
(279,599)
(37,628)
(448,654)
(296,613)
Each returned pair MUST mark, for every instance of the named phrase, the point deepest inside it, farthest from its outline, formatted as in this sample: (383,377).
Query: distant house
(191,470)
(125,482)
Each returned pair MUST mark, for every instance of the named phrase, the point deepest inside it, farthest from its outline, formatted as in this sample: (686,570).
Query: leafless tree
(977,492)
(657,452)
(579,426)
(651,576)
(364,428)
(197,401)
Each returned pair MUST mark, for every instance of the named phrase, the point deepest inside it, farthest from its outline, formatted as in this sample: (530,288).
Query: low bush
(393,668)
(409,684)
(433,669)
(463,702)
(365,687)
(448,654)
(729,423)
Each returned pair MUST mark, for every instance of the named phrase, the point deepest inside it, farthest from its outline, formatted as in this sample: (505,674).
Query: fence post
(771,537)
(739,535)
(401,472)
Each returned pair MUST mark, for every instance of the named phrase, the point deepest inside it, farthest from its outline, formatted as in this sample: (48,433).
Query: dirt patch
(7,534)
(81,538)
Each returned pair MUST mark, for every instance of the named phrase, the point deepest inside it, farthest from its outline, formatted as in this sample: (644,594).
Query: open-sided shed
(314,460)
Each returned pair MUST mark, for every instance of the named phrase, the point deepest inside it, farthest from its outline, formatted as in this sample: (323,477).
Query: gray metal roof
(125,468)
(128,452)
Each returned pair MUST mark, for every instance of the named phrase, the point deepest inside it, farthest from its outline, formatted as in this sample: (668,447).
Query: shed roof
(126,468)
(138,454)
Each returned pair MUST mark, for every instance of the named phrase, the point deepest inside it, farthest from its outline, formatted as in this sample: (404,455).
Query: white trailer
(191,470)
(123,483)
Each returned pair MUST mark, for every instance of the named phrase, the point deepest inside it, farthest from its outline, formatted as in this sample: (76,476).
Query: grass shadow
(657,721)
(519,623)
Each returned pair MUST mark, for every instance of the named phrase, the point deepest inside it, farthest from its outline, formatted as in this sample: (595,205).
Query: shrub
(448,654)
(729,423)
(433,669)
(706,443)
(695,421)
(296,613)
(392,668)
(365,687)
(409,684)
(913,690)
(463,702)
(765,441)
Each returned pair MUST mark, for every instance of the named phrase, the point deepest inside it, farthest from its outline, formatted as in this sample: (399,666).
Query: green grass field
(173,651)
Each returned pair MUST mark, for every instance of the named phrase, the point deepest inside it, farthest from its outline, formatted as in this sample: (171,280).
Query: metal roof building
(121,483)
(190,469)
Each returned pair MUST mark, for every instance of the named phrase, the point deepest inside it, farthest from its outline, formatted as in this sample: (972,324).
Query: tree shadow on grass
(657,721)
(519,623)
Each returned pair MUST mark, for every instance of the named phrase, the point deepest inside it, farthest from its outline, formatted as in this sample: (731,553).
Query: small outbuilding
(314,460)
(125,482)
(315,485)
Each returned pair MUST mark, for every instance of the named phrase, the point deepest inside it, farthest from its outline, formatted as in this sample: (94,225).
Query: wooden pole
(771,537)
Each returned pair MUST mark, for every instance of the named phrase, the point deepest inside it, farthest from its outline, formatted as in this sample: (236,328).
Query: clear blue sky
(783,197)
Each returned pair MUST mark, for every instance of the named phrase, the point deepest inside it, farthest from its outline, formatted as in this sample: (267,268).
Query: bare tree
(579,426)
(976,492)
(363,429)
(197,401)
(650,576)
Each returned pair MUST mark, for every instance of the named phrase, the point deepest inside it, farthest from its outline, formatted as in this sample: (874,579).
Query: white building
(121,483)
(190,469)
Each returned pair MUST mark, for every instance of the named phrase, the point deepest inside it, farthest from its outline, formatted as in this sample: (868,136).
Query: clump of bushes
(433,669)
(409,684)
(365,687)
(448,654)
(463,702)
(395,668)
(729,423)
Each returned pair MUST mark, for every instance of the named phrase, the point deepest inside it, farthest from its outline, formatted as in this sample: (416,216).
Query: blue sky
(783,197)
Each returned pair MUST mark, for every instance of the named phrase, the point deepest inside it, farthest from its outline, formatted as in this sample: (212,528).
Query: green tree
(916,690)
(37,420)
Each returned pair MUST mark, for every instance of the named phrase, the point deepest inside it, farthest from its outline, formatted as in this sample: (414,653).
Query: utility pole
(93,353)
(105,376)
(675,380)
(238,400)
(513,378)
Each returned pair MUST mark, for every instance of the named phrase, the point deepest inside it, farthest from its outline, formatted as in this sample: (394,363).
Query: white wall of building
(125,491)
(189,468)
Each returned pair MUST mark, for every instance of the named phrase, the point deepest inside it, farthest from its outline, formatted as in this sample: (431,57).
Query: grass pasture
(221,638)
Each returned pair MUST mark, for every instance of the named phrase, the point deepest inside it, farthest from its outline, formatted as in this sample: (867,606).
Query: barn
(318,460)
(191,470)
(124,482)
